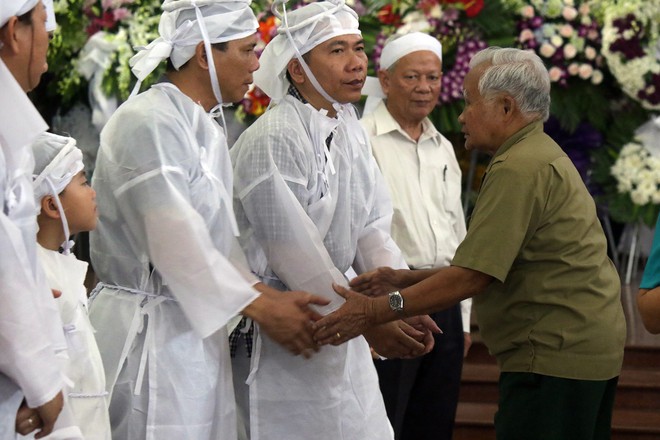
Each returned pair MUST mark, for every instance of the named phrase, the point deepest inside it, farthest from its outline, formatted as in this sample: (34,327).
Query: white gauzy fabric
(95,58)
(14,8)
(57,160)
(51,23)
(307,28)
(163,247)
(87,397)
(393,52)
(303,228)
(649,134)
(30,328)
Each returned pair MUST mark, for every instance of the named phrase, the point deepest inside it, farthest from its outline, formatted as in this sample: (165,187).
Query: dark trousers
(538,407)
(421,394)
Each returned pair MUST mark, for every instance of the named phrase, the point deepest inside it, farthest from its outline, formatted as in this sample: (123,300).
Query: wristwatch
(396,301)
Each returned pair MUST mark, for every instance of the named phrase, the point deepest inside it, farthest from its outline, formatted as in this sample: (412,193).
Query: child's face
(79,203)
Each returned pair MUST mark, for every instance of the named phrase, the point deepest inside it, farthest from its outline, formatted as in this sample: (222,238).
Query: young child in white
(67,206)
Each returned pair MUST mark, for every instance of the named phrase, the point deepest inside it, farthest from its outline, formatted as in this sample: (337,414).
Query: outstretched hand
(397,339)
(347,322)
(288,320)
(378,282)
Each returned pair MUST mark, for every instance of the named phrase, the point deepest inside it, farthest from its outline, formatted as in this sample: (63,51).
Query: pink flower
(569,13)
(527,11)
(585,71)
(585,9)
(590,53)
(547,50)
(566,31)
(526,35)
(555,73)
(121,14)
(569,51)
(573,69)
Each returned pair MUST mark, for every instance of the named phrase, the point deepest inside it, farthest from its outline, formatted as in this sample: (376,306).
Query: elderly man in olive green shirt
(546,295)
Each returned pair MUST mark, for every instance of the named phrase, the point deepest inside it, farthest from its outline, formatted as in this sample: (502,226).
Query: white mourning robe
(163,182)
(30,328)
(303,226)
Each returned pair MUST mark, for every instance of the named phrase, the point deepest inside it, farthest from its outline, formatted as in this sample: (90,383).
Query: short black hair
(27,17)
(219,46)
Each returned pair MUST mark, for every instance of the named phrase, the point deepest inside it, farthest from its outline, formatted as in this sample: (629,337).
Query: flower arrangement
(631,46)
(102,32)
(566,36)
(462,26)
(255,102)
(637,175)
(125,25)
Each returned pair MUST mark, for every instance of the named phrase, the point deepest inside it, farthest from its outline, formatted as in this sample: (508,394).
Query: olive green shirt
(554,307)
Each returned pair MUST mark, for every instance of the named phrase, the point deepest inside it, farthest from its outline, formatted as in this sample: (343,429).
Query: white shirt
(424,180)
(86,397)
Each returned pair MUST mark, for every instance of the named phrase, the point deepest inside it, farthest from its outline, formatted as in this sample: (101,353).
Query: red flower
(267,29)
(472,7)
(387,16)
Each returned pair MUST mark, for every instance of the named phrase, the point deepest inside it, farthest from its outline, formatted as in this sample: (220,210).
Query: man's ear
(9,37)
(384,78)
(49,207)
(508,106)
(296,71)
(200,56)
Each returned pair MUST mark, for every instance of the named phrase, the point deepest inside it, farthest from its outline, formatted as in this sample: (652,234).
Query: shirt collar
(526,131)
(293,91)
(385,123)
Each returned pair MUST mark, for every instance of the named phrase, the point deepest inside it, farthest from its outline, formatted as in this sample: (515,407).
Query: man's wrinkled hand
(378,282)
(347,322)
(289,319)
(397,340)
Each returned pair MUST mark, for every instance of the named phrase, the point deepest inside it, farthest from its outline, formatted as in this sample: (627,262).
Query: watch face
(396,301)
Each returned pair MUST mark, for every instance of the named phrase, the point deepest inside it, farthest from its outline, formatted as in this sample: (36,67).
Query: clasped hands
(406,338)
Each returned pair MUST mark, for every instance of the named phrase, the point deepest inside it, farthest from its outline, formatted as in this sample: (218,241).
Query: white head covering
(57,161)
(301,30)
(184,24)
(51,24)
(393,51)
(15,8)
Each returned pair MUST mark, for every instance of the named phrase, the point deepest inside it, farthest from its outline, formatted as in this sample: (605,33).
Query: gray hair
(518,73)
